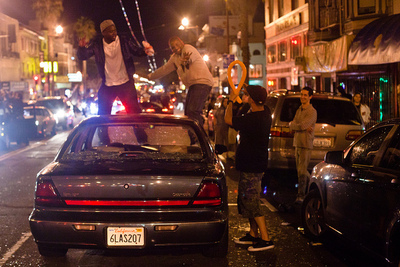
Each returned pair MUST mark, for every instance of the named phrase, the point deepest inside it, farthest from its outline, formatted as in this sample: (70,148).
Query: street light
(185,26)
(50,67)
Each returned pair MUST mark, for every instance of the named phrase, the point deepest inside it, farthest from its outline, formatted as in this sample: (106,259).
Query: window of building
(272,53)
(281,10)
(282,83)
(295,4)
(255,71)
(256,52)
(328,13)
(282,53)
(295,47)
(271,11)
(366,7)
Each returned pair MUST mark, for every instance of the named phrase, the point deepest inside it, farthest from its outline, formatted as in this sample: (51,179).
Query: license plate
(322,142)
(125,236)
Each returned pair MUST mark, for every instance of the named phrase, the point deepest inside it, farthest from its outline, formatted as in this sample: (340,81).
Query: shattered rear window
(139,141)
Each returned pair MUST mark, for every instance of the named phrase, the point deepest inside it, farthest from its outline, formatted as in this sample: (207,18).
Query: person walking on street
(303,126)
(194,74)
(251,162)
(114,59)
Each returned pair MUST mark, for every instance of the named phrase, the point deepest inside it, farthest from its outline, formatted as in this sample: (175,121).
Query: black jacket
(128,49)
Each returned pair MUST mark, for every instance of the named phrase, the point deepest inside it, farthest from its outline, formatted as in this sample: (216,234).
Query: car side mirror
(334,157)
(219,149)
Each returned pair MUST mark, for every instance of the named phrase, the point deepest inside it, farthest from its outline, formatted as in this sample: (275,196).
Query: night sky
(160,18)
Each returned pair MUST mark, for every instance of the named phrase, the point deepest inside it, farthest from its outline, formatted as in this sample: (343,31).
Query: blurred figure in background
(220,127)
(362,108)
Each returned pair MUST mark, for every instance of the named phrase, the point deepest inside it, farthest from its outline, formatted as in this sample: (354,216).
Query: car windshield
(134,142)
(330,111)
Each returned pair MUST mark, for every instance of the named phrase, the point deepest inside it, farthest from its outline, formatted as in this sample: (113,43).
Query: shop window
(282,51)
(272,54)
(295,47)
(366,7)
(255,71)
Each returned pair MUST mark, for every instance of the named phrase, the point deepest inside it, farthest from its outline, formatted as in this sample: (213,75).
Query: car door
(352,193)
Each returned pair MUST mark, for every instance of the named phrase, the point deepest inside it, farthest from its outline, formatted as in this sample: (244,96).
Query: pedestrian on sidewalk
(303,126)
(251,162)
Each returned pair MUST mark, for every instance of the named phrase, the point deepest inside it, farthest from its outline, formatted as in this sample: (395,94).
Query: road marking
(269,205)
(12,250)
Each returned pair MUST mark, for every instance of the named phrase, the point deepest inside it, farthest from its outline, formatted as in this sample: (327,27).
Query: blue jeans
(195,101)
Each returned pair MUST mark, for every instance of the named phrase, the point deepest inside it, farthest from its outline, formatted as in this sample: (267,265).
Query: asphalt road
(18,170)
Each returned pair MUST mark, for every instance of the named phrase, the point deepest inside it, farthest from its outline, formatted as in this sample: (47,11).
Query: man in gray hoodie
(194,74)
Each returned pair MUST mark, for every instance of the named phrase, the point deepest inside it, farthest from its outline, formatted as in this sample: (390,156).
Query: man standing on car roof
(193,72)
(114,59)
(303,126)
(252,161)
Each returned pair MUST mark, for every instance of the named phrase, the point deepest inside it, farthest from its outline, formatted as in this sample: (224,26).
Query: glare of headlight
(37,123)
(84,105)
(60,113)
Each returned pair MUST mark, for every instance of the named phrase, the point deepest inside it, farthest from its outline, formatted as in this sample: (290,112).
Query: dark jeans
(195,100)
(126,93)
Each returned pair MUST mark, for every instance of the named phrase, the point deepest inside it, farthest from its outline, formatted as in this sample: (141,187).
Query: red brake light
(164,110)
(46,194)
(209,195)
(281,132)
(150,110)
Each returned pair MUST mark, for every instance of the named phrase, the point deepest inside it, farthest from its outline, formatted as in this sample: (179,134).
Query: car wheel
(219,250)
(48,251)
(313,216)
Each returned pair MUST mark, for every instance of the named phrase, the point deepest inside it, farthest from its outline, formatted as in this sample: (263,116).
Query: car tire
(312,215)
(48,251)
(219,250)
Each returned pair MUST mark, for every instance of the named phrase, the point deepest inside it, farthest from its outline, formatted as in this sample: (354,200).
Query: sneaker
(246,240)
(261,245)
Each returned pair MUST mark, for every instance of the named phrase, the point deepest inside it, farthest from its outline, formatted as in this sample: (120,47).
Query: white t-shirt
(115,69)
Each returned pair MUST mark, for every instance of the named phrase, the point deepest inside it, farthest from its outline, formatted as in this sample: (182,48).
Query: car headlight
(60,113)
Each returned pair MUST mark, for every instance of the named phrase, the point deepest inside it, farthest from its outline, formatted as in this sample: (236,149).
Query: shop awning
(377,43)
(328,56)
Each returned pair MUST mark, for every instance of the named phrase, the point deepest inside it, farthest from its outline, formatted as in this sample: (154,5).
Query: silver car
(338,124)
(133,182)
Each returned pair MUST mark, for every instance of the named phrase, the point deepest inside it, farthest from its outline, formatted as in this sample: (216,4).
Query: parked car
(44,119)
(63,112)
(356,193)
(338,124)
(155,107)
(105,189)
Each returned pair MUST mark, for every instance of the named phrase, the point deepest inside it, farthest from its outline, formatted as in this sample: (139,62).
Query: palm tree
(84,28)
(48,12)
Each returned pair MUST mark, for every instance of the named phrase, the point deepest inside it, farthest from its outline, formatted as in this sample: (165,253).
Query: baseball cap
(105,24)
(257,93)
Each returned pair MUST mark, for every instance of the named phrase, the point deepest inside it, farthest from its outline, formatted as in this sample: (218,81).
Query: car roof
(315,95)
(143,117)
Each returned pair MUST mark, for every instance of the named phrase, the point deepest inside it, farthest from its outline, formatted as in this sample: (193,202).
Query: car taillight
(353,134)
(150,110)
(164,110)
(46,194)
(209,194)
(281,132)
(171,107)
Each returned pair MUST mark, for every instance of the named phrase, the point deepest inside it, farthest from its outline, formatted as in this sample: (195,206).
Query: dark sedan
(356,193)
(132,182)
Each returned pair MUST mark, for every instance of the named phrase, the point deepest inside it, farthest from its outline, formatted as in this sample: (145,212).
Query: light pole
(185,27)
(50,67)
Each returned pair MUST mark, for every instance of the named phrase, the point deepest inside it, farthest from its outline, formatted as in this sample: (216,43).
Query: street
(18,169)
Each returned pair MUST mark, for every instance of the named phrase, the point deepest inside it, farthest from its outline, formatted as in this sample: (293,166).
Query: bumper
(64,233)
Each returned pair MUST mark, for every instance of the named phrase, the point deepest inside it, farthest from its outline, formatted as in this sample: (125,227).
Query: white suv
(338,124)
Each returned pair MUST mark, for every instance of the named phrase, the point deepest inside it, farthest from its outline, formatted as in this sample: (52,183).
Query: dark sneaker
(261,245)
(246,240)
